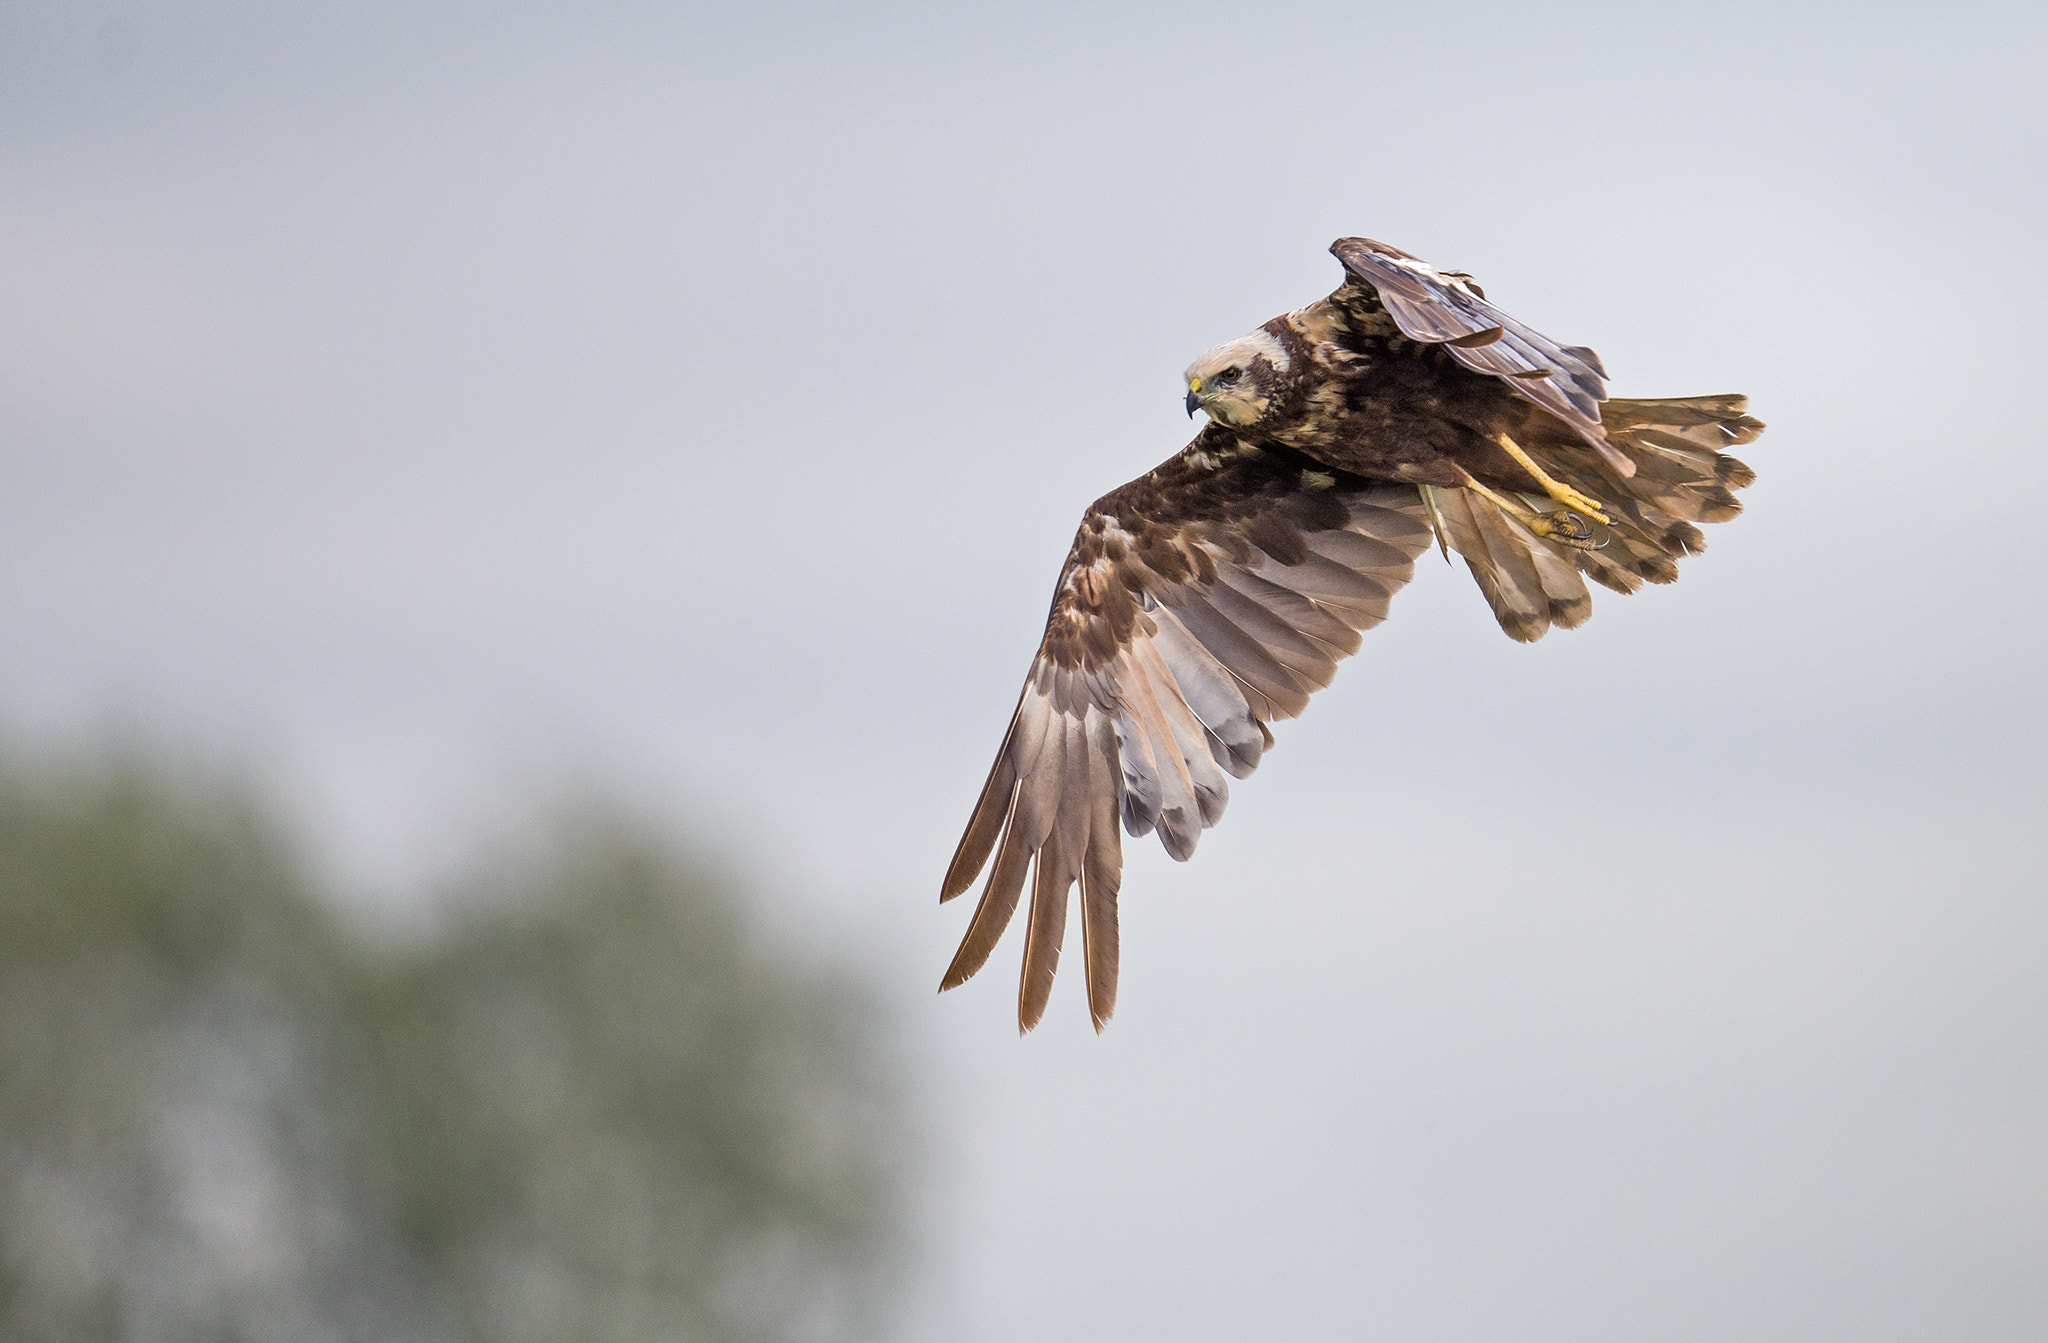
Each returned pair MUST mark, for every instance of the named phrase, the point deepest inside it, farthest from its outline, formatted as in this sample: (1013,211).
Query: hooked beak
(1194,397)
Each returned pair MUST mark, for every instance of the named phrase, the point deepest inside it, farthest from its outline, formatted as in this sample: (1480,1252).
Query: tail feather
(1676,444)
(1530,583)
(1570,604)
(1682,478)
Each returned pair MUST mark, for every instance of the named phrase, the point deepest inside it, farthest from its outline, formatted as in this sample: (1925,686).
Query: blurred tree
(595,1107)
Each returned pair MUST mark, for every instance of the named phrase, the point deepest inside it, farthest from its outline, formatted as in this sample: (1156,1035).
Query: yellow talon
(1556,489)
(1566,528)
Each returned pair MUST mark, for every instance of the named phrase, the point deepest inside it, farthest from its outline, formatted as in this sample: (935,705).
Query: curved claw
(1566,528)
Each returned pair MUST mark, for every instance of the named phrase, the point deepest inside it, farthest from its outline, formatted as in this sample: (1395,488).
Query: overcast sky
(429,408)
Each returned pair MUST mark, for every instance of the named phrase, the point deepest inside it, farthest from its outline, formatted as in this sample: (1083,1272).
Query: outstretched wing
(1200,602)
(1447,308)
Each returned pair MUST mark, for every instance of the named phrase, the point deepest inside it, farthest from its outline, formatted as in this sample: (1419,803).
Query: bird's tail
(1682,478)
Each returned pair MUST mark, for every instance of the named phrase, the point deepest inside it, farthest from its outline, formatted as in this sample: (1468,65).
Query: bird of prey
(1216,592)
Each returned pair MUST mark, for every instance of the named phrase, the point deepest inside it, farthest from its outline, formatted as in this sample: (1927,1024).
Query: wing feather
(1215,696)
(986,826)
(1100,946)
(1254,666)
(1101,873)
(1047,930)
(1296,611)
(1190,745)
(1148,770)
(1446,308)
(1038,792)
(1151,692)
(1312,668)
(1333,587)
(1199,603)
(993,912)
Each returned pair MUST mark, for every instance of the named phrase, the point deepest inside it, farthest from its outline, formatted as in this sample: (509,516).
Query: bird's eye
(1229,375)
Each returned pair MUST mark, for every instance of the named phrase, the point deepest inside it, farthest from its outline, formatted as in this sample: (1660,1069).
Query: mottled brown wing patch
(1447,308)
(1200,602)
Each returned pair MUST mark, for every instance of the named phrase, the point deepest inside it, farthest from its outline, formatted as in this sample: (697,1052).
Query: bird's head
(1239,381)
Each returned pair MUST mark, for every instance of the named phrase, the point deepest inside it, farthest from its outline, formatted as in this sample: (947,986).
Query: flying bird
(1218,591)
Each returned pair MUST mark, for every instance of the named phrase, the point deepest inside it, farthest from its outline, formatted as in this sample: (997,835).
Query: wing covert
(1200,602)
(1448,309)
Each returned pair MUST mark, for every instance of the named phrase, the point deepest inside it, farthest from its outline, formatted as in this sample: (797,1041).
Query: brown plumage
(1218,591)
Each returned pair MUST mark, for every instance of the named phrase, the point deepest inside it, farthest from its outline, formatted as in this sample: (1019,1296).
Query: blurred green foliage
(596,1105)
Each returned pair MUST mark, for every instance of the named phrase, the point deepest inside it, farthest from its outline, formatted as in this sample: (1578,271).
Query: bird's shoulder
(1348,320)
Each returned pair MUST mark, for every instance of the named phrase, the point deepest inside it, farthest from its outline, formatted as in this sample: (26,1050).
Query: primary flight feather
(1218,591)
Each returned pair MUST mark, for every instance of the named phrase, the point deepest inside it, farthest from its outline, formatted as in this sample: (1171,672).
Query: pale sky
(424,410)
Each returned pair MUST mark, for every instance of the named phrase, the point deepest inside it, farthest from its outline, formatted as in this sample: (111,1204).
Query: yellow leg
(1556,489)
